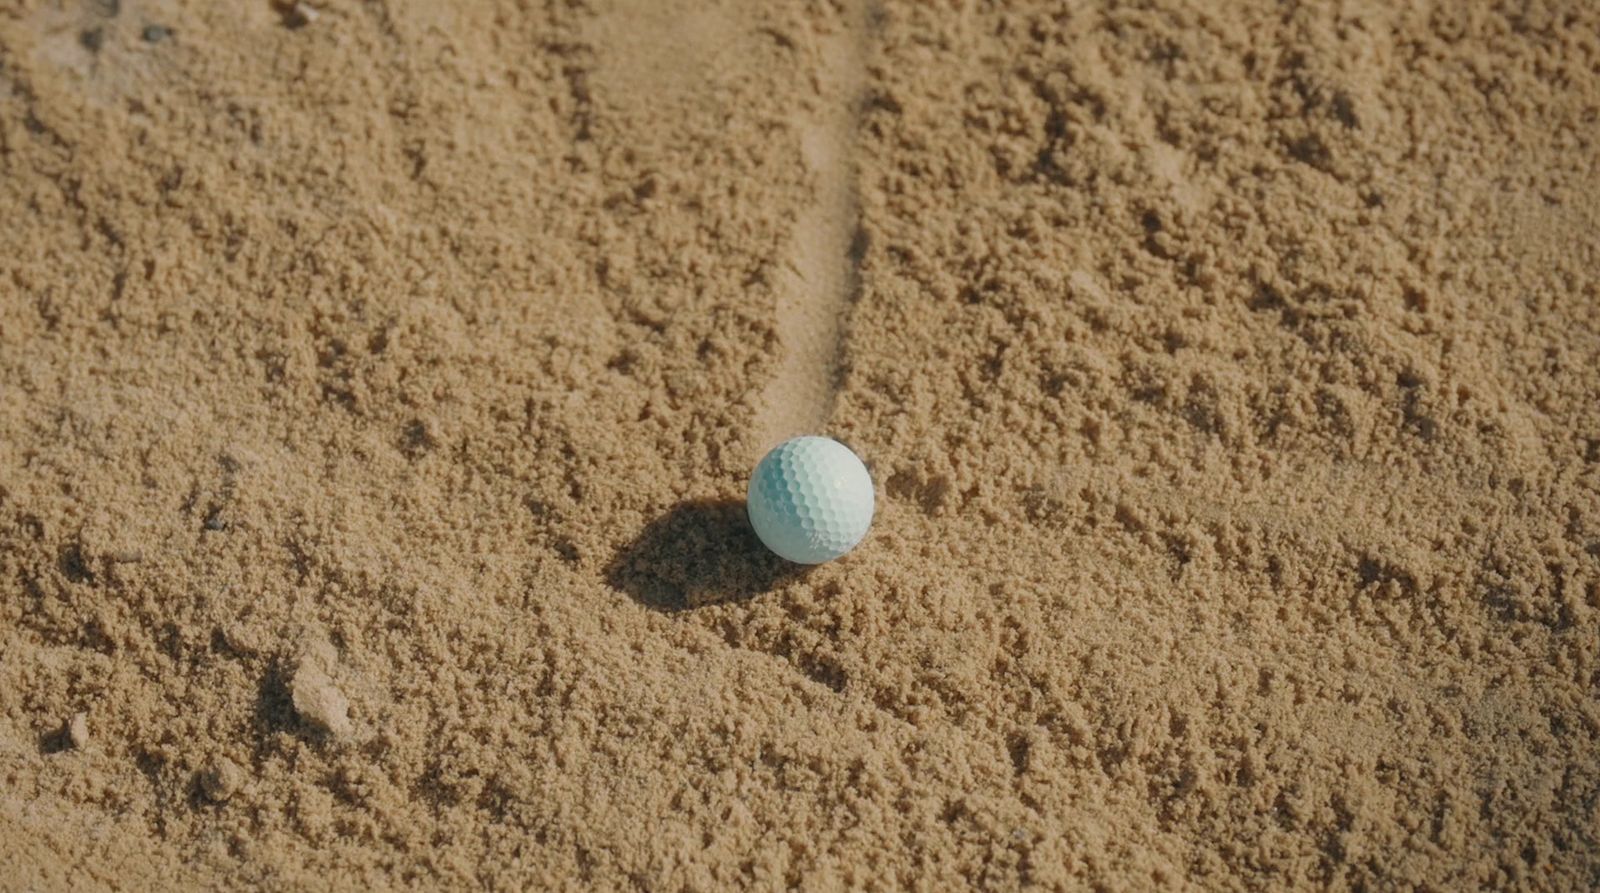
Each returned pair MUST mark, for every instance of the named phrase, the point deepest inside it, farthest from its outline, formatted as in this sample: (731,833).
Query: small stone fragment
(78,730)
(295,14)
(318,701)
(221,780)
(155,33)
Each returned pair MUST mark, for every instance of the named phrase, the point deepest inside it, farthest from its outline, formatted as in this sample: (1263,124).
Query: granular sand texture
(379,382)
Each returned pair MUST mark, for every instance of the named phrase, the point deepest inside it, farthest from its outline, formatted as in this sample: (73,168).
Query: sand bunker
(378,383)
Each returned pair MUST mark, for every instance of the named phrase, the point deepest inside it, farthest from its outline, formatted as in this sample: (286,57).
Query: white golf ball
(810,499)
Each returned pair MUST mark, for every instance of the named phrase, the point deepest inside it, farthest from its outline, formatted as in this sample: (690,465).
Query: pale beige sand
(378,382)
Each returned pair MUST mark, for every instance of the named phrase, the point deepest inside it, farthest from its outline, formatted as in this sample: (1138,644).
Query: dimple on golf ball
(810,499)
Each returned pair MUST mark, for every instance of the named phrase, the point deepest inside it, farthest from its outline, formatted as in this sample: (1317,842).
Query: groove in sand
(817,282)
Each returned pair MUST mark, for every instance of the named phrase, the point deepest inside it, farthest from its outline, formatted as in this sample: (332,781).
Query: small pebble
(318,701)
(78,730)
(221,780)
(155,33)
(295,14)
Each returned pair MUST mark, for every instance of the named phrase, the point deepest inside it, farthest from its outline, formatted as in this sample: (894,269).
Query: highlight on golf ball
(810,499)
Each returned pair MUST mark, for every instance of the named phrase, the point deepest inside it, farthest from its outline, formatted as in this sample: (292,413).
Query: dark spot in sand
(416,441)
(74,565)
(56,740)
(698,553)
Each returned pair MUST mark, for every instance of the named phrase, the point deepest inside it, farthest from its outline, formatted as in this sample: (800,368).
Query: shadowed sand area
(698,553)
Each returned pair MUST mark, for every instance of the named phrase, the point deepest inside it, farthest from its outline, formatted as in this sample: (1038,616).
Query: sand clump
(78,730)
(316,697)
(221,780)
(377,389)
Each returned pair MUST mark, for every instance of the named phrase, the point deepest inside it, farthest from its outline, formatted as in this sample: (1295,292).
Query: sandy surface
(378,381)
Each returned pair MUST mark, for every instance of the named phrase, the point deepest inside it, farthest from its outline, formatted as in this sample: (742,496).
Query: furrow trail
(817,281)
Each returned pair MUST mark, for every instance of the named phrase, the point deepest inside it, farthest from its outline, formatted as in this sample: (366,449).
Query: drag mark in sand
(816,282)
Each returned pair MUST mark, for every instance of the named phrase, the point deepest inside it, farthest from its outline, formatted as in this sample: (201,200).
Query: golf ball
(810,499)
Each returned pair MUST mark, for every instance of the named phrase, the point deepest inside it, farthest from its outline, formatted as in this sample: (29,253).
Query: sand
(378,383)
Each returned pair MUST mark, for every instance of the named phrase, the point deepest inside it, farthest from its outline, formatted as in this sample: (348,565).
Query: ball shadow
(701,552)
